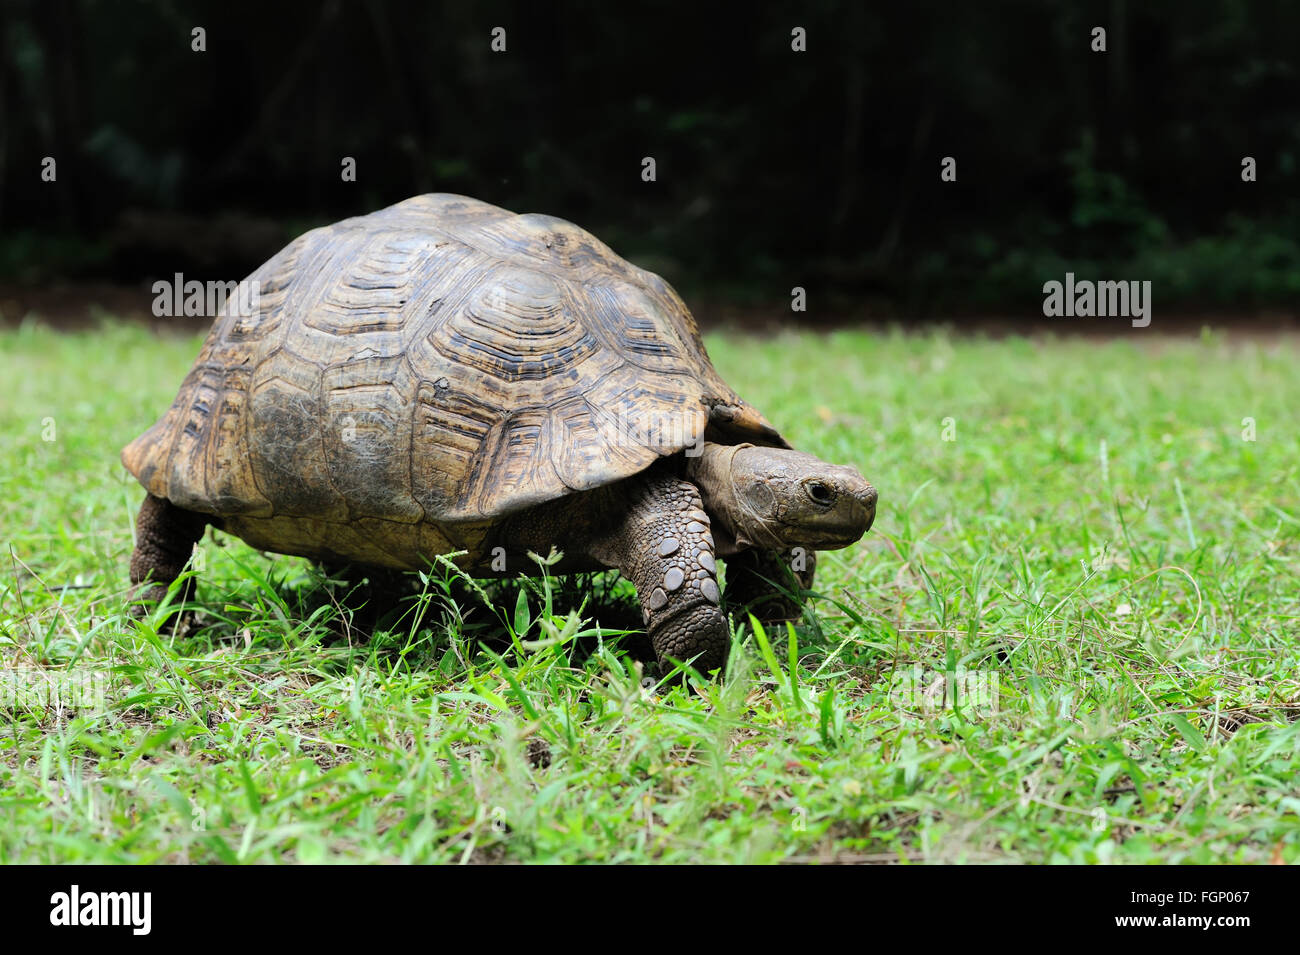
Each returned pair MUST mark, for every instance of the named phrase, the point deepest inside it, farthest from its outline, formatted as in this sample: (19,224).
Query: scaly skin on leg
(165,536)
(653,529)
(749,589)
(664,546)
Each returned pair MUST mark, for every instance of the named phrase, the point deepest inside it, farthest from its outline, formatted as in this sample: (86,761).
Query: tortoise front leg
(664,546)
(758,581)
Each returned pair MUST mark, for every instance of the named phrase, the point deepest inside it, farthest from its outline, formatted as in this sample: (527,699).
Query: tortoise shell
(441,361)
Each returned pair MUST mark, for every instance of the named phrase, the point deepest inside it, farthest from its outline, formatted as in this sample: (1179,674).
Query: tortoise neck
(713,472)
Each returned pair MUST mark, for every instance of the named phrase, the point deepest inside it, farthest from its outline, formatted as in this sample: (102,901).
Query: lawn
(1071,636)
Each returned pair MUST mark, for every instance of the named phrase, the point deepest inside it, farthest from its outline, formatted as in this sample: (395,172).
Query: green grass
(1121,627)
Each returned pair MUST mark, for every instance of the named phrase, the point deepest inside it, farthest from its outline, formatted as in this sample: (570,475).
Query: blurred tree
(775,167)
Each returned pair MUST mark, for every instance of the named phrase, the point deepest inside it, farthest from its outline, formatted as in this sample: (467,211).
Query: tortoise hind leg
(165,536)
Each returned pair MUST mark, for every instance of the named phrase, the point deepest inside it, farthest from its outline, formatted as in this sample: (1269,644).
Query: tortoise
(446,377)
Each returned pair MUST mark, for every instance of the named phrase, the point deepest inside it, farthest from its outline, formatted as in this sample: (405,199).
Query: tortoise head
(778,498)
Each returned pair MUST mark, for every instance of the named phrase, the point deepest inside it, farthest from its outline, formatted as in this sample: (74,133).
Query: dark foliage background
(775,168)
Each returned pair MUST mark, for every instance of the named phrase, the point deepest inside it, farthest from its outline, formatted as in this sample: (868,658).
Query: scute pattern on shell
(441,360)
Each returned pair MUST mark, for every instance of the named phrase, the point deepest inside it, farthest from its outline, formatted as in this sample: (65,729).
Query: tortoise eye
(820,493)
